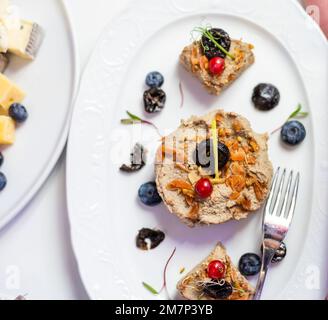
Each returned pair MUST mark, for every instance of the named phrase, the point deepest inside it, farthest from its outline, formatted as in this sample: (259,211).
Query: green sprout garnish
(133,119)
(206,32)
(150,288)
(297,114)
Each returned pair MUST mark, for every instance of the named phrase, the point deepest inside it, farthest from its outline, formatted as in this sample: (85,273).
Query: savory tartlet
(240,172)
(215,278)
(197,59)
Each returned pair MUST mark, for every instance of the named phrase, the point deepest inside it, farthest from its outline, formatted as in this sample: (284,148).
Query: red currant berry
(204,188)
(216,270)
(217,65)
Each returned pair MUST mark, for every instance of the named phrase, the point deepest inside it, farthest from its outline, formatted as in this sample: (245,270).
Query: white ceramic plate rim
(75,235)
(7,218)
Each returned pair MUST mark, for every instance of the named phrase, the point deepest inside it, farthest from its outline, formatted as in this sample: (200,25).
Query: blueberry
(1,159)
(18,112)
(250,264)
(293,132)
(3,181)
(265,96)
(148,194)
(154,79)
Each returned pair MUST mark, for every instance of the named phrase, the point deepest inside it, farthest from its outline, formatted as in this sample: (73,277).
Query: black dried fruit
(265,96)
(155,237)
(218,289)
(137,159)
(210,48)
(204,155)
(1,159)
(223,154)
(154,100)
(280,253)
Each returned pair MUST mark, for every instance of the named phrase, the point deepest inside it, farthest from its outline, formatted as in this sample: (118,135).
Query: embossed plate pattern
(104,211)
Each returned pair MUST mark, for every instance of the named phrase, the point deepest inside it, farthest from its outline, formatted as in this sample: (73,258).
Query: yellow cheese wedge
(9,93)
(7,130)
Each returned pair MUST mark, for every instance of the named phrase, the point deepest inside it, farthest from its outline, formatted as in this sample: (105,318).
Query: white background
(37,244)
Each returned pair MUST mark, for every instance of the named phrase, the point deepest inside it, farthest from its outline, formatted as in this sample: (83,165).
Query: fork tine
(273,187)
(287,194)
(277,201)
(290,213)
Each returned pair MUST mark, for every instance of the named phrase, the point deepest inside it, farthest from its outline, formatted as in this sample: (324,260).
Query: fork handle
(268,254)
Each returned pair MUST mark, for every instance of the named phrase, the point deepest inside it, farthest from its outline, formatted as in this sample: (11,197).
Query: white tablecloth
(36,257)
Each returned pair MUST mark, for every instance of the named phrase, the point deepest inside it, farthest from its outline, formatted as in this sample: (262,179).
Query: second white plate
(50,83)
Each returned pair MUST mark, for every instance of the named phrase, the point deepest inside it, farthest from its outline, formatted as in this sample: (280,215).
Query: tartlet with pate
(216,60)
(213,168)
(215,278)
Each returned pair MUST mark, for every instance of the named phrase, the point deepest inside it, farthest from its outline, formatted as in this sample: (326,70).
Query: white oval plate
(49,82)
(104,211)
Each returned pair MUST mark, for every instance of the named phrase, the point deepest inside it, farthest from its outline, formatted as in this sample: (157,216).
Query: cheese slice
(24,38)
(9,93)
(7,130)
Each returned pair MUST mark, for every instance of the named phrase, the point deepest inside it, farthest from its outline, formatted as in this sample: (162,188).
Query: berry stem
(276,130)
(165,269)
(298,113)
(181,94)
(133,119)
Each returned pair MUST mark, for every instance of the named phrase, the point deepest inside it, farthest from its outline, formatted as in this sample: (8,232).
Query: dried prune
(280,253)
(155,238)
(204,155)
(154,100)
(137,159)
(265,96)
(211,50)
(218,289)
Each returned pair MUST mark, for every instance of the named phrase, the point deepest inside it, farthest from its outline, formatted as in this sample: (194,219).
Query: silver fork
(278,215)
